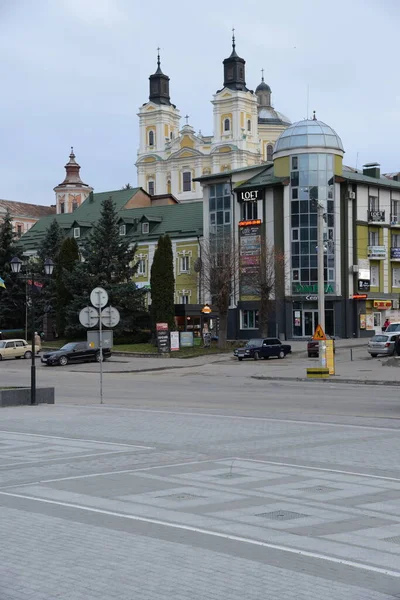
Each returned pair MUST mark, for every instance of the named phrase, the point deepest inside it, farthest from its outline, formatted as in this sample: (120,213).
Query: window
(187,181)
(220,208)
(19,344)
(151,138)
(249,210)
(374,275)
(227,125)
(395,211)
(19,230)
(10,345)
(122,229)
(249,319)
(62,207)
(74,205)
(184,299)
(295,235)
(373,238)
(396,277)
(270,150)
(396,240)
(171,135)
(373,203)
(295,163)
(184,264)
(168,186)
(151,188)
(141,267)
(248,125)
(295,193)
(77,232)
(296,274)
(145,227)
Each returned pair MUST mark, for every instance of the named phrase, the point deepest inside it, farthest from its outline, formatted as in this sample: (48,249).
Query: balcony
(395,220)
(376,252)
(395,253)
(376,216)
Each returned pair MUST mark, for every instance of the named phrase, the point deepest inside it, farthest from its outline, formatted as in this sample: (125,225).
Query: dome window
(270,150)
(227,125)
(151,138)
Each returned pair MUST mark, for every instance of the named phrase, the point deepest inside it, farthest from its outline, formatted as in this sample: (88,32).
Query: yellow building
(171,156)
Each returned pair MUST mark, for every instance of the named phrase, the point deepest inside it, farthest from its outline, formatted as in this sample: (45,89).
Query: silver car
(383,343)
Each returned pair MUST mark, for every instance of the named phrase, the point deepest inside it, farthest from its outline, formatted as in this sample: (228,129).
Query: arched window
(270,150)
(227,125)
(248,125)
(187,181)
(168,186)
(151,138)
(151,187)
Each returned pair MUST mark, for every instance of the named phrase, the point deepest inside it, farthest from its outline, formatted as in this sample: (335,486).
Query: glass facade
(311,182)
(220,209)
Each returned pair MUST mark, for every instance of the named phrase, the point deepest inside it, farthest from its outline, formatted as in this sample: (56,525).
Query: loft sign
(250,195)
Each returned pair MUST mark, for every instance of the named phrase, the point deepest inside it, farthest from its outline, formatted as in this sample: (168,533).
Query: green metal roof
(178,220)
(357,177)
(227,173)
(263,179)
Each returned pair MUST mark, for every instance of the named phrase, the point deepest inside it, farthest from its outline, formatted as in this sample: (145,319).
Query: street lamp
(16,266)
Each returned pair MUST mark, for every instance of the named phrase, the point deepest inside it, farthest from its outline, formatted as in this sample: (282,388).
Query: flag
(2,284)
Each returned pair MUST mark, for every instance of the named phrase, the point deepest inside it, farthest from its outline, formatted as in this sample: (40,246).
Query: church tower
(159,126)
(72,191)
(271,123)
(235,118)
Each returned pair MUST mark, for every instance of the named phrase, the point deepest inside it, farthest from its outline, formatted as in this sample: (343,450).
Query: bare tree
(218,275)
(265,282)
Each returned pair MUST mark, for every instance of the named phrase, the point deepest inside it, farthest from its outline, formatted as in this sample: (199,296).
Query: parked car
(263,348)
(74,352)
(393,327)
(383,343)
(313,347)
(15,349)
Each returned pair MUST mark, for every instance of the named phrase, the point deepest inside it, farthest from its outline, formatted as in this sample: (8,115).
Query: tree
(265,282)
(52,242)
(109,262)
(68,257)
(127,186)
(162,283)
(219,276)
(12,297)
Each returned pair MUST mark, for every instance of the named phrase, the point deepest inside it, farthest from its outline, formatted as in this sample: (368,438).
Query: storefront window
(249,319)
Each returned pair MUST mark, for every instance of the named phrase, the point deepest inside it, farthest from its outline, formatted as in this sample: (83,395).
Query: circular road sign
(99,297)
(89,317)
(110,316)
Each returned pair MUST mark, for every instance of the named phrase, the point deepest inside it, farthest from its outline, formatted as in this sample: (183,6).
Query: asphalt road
(199,483)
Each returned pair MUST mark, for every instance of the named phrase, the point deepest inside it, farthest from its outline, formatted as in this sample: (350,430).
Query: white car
(383,343)
(15,349)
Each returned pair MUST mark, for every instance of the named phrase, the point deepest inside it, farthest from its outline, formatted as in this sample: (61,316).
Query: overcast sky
(74,72)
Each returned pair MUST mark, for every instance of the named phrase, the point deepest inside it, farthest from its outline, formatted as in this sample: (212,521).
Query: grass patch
(140,348)
(182,353)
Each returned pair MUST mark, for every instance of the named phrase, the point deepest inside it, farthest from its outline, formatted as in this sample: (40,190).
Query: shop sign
(312,289)
(161,326)
(364,285)
(394,252)
(249,222)
(187,339)
(370,322)
(249,259)
(250,195)
(376,251)
(174,340)
(309,297)
(382,304)
(162,337)
(360,296)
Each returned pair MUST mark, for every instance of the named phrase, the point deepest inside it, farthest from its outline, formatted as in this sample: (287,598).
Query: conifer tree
(162,284)
(68,257)
(12,297)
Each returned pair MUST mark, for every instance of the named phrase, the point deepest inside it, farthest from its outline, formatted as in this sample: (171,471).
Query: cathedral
(171,157)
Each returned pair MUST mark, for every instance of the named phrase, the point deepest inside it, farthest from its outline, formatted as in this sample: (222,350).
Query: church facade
(171,156)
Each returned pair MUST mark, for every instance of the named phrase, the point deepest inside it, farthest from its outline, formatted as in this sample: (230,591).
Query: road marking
(182,464)
(209,532)
(240,417)
(38,461)
(60,437)
(339,472)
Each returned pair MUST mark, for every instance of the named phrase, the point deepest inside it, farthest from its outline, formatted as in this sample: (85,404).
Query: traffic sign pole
(101,345)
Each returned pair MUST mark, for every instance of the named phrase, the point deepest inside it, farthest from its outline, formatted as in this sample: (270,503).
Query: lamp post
(16,265)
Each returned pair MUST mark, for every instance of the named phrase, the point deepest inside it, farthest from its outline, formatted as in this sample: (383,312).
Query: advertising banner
(162,337)
(174,340)
(249,261)
(187,340)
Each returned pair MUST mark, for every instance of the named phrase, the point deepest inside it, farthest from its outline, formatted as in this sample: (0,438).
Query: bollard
(351,354)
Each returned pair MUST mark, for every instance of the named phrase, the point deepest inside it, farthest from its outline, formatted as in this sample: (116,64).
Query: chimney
(372,170)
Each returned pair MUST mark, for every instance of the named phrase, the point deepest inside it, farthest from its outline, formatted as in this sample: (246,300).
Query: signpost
(320,336)
(90,317)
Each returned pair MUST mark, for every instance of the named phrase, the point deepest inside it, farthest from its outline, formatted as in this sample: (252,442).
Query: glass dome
(306,134)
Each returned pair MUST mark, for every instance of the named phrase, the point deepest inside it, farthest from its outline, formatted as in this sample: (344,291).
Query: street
(201,480)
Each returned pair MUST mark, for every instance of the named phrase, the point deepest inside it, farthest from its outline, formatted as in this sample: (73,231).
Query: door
(81,352)
(273,345)
(310,322)
(9,351)
(19,348)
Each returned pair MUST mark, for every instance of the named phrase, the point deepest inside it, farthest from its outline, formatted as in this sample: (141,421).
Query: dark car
(263,348)
(313,348)
(74,352)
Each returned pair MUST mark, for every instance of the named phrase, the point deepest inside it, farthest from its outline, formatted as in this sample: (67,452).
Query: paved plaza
(202,482)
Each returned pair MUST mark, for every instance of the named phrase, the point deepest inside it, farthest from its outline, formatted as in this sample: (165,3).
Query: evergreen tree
(52,242)
(162,284)
(68,257)
(12,297)
(109,263)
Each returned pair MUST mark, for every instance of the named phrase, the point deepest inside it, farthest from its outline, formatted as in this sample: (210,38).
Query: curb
(327,381)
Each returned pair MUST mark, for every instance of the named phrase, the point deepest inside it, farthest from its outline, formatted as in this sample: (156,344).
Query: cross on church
(262,74)
(187,119)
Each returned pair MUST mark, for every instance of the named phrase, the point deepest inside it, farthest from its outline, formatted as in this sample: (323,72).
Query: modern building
(24,215)
(142,219)
(277,205)
(171,156)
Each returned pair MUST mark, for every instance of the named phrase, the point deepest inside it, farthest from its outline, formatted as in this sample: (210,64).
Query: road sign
(99,297)
(89,317)
(110,316)
(319,334)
